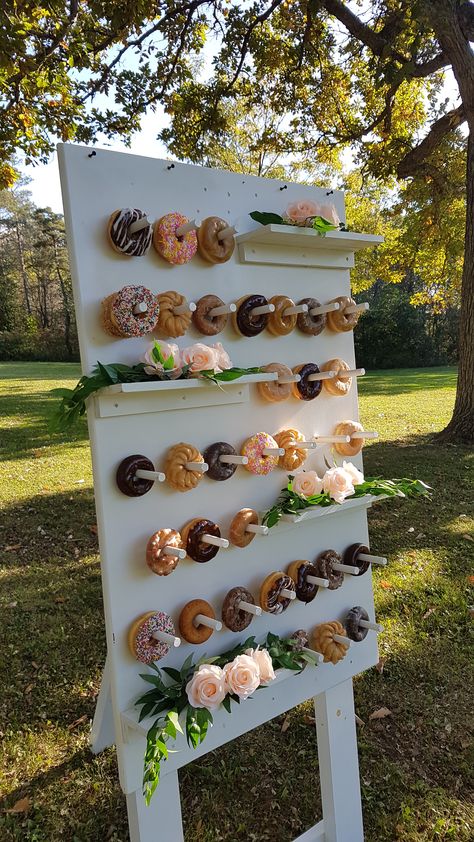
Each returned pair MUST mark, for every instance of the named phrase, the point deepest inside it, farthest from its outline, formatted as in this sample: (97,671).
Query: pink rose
(166,349)
(199,357)
(223,359)
(307,483)
(337,482)
(264,664)
(206,689)
(356,475)
(242,676)
(329,212)
(299,211)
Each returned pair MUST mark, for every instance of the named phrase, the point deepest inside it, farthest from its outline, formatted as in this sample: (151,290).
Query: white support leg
(338,764)
(102,733)
(161,821)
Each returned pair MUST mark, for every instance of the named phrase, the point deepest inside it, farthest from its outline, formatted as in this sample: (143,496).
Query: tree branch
(245,43)
(416,157)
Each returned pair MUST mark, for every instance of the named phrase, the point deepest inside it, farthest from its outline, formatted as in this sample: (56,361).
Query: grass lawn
(416,764)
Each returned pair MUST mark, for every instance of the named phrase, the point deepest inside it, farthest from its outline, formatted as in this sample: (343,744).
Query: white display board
(150,420)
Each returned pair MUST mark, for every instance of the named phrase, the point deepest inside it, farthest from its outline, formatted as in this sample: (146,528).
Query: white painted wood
(102,731)
(314,834)
(277,255)
(161,820)
(309,239)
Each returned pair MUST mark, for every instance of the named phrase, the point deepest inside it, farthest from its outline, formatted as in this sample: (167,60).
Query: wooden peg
(287,594)
(140,308)
(351,372)
(297,308)
(209,622)
(273,451)
(217,542)
(202,467)
(222,310)
(332,439)
(364,434)
(138,225)
(260,311)
(174,551)
(357,308)
(256,529)
(325,308)
(185,307)
(316,580)
(158,476)
(226,233)
(366,624)
(164,637)
(291,378)
(373,559)
(346,568)
(339,638)
(249,608)
(322,375)
(191,225)
(231,459)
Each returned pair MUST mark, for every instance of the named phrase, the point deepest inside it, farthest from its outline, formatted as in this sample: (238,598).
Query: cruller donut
(234,617)
(258,462)
(299,571)
(160,562)
(305,389)
(271,598)
(338,385)
(143,646)
(272,390)
(133,244)
(178,475)
(322,640)
(340,321)
(278,323)
(294,455)
(127,479)
(238,535)
(352,447)
(324,565)
(118,317)
(351,557)
(203,321)
(192,534)
(195,633)
(312,325)
(171,323)
(210,247)
(175,250)
(245,323)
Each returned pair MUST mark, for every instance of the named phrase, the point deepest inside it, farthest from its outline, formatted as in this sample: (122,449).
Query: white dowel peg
(316,580)
(202,467)
(366,624)
(139,308)
(322,375)
(305,445)
(290,378)
(222,310)
(138,225)
(325,308)
(273,451)
(332,439)
(287,594)
(213,539)
(226,233)
(256,529)
(351,372)
(297,308)
(191,225)
(185,307)
(174,551)
(158,476)
(209,622)
(364,434)
(231,459)
(373,559)
(344,640)
(317,655)
(345,568)
(260,311)
(357,308)
(164,637)
(249,608)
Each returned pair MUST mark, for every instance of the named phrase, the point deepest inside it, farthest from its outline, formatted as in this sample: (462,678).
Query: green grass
(416,765)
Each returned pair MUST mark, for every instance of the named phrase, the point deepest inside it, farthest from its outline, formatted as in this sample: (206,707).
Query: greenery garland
(317,223)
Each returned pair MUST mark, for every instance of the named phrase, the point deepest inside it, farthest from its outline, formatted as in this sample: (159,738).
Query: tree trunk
(66,303)
(24,275)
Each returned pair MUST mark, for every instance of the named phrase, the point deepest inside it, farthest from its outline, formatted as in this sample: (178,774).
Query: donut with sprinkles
(143,646)
(175,250)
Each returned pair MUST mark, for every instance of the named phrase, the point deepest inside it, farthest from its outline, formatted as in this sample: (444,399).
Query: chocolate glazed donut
(197,549)
(232,617)
(313,325)
(247,324)
(128,482)
(219,470)
(324,566)
(305,591)
(351,622)
(307,390)
(351,557)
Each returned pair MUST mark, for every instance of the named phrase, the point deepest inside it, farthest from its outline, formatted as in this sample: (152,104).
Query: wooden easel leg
(102,732)
(338,764)
(161,821)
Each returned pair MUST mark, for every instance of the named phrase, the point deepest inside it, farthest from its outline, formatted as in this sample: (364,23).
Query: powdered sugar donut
(143,646)
(174,249)
(253,448)
(118,317)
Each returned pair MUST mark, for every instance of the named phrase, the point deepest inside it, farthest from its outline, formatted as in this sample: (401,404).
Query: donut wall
(150,419)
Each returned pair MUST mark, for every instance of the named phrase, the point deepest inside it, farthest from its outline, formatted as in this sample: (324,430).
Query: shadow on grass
(400,381)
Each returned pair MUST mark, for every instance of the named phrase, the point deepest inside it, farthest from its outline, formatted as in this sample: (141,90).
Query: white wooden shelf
(192,383)
(293,246)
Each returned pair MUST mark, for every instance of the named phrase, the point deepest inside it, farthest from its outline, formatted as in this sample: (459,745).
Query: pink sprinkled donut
(258,462)
(176,250)
(143,646)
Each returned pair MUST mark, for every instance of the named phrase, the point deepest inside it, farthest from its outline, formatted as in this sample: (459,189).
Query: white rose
(223,359)
(242,676)
(168,349)
(356,475)
(300,211)
(207,688)
(329,212)
(264,663)
(199,357)
(307,483)
(337,482)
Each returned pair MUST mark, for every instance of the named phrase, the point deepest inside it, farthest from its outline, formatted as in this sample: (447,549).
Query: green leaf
(108,371)
(169,363)
(186,666)
(174,674)
(62,393)
(266,218)
(226,703)
(173,717)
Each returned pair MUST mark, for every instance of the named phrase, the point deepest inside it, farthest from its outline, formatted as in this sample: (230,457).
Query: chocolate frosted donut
(306,390)
(299,570)
(134,245)
(351,622)
(235,619)
(126,477)
(238,535)
(192,534)
(313,325)
(351,557)
(324,566)
(243,321)
(209,246)
(203,322)
(270,592)
(219,470)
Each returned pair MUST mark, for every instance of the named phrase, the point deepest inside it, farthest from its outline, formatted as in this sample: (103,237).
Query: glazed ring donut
(235,619)
(218,470)
(278,323)
(306,390)
(210,248)
(177,474)
(126,477)
(322,640)
(169,323)
(352,447)
(338,320)
(338,385)
(175,250)
(243,321)
(299,570)
(294,455)
(271,600)
(134,245)
(192,534)
(272,390)
(118,317)
(313,325)
(351,557)
(203,322)
(351,622)
(238,535)
(253,448)
(142,645)
(187,629)
(159,562)
(324,565)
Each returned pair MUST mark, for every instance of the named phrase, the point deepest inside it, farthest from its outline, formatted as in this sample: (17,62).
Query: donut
(271,600)
(351,622)
(202,320)
(253,448)
(278,323)
(177,474)
(142,645)
(235,619)
(322,640)
(324,566)
(338,385)
(351,557)
(210,248)
(219,470)
(294,455)
(299,639)
(272,390)
(159,562)
(118,317)
(169,323)
(175,250)
(191,535)
(187,629)
(312,325)
(299,570)
(338,320)
(126,477)
(134,245)
(306,390)
(243,321)
(238,536)
(352,447)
